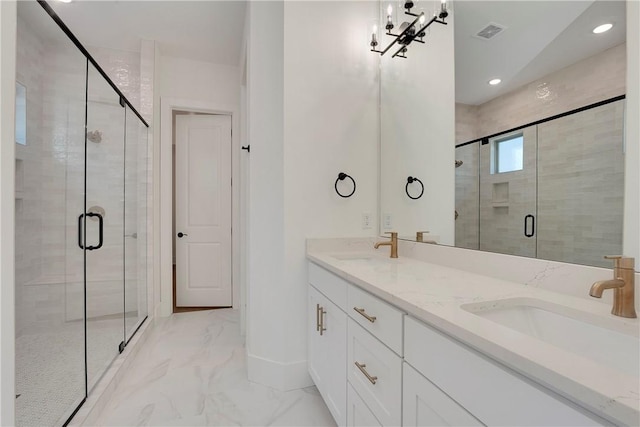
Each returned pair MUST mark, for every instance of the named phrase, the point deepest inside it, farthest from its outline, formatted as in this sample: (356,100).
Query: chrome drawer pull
(317,317)
(366,316)
(366,374)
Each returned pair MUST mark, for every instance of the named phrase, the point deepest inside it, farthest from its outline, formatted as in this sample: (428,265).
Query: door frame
(167,106)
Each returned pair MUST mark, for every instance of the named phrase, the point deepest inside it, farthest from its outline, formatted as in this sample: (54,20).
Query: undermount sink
(607,341)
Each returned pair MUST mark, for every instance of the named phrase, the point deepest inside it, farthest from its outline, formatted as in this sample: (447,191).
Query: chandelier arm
(402,34)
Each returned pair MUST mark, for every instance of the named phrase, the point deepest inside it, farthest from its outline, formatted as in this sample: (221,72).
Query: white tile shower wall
(581,186)
(49,262)
(55,123)
(564,90)
(123,68)
(466,123)
(28,159)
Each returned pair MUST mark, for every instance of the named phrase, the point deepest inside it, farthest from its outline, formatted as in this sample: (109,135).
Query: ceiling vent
(490,31)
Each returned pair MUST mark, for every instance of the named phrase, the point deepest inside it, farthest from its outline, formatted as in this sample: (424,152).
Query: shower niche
(81,230)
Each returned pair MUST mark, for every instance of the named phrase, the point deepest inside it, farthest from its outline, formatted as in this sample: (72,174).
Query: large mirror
(529,159)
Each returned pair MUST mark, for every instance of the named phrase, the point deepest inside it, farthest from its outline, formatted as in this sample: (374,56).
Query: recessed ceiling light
(602,28)
(65,1)
(494,82)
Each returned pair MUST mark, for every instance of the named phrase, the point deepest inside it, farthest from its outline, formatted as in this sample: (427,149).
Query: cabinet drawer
(378,376)
(494,394)
(376,316)
(358,413)
(424,404)
(331,286)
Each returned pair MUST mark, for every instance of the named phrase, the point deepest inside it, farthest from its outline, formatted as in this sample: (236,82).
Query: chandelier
(408,32)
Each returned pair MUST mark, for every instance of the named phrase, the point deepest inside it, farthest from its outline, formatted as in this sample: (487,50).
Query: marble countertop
(434,294)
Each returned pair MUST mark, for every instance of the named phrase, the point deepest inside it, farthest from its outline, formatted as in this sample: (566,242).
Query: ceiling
(200,30)
(540,37)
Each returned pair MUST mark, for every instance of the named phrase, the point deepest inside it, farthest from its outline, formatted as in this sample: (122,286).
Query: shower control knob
(181,234)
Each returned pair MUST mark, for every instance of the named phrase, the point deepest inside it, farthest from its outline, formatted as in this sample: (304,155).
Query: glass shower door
(103,225)
(49,161)
(508,193)
(135,223)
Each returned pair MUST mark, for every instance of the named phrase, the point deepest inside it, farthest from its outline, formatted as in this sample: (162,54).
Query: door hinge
(121,347)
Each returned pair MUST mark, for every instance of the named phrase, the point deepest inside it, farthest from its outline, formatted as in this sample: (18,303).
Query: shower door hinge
(121,347)
(122,101)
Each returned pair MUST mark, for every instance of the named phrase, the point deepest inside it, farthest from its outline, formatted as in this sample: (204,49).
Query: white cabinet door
(358,413)
(375,373)
(328,352)
(424,404)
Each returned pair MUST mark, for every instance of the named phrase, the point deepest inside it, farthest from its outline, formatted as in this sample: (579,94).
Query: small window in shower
(21,114)
(508,154)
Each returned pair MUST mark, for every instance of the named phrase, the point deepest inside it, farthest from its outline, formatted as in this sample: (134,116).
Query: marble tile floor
(192,371)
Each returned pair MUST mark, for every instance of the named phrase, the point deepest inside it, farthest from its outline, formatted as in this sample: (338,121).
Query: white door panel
(203,211)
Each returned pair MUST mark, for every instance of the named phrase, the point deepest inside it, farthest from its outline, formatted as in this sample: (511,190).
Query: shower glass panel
(49,269)
(135,223)
(104,225)
(581,186)
(467,214)
(508,199)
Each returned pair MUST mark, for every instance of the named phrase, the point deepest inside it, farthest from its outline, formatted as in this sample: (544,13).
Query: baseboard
(281,376)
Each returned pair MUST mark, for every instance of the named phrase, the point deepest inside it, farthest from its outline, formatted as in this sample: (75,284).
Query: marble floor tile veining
(192,371)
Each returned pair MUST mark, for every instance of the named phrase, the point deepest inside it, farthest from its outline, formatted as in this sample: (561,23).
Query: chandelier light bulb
(389,10)
(422,19)
(374,29)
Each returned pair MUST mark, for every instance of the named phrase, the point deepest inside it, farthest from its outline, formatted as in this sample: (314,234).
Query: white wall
(313,96)
(7,156)
(199,80)
(267,301)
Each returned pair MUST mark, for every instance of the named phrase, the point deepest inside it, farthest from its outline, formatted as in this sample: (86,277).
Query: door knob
(181,234)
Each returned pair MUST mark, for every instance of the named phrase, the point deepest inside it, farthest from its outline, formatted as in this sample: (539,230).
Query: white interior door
(203,211)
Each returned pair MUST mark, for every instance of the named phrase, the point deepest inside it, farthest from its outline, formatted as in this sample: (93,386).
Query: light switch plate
(387,224)
(366,220)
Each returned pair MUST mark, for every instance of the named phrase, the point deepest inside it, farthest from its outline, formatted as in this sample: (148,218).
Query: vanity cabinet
(424,404)
(327,343)
(376,366)
(492,393)
(358,413)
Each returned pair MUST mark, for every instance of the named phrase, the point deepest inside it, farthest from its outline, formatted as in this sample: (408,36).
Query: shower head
(94,136)
(459,163)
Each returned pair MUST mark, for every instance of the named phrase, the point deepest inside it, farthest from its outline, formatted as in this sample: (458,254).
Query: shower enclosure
(81,220)
(562,200)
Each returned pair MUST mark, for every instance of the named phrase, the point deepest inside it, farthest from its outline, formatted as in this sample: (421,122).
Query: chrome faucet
(623,285)
(393,243)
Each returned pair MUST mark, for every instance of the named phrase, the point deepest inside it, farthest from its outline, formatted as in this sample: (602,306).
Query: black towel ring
(341,177)
(411,180)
